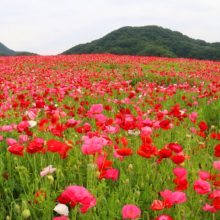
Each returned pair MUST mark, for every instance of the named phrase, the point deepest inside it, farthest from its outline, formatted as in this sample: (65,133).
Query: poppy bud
(75,168)
(7,218)
(138,193)
(79,163)
(97,174)
(213,127)
(147,177)
(182,164)
(130,167)
(26,213)
(104,200)
(17,208)
(76,136)
(50,178)
(168,179)
(127,181)
(117,202)
(126,133)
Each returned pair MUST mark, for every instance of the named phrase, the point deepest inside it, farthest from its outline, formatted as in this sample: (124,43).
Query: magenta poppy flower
(164,217)
(177,197)
(11,141)
(93,145)
(131,212)
(216,165)
(96,108)
(80,195)
(202,187)
(61,218)
(8,128)
(112,173)
(204,175)
(208,207)
(180,172)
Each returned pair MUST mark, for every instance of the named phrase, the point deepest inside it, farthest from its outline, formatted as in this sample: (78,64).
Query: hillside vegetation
(5,51)
(149,41)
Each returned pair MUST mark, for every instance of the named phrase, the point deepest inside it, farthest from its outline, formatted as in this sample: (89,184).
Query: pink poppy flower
(23,138)
(216,165)
(112,173)
(101,118)
(61,218)
(164,217)
(80,195)
(193,130)
(8,128)
(180,172)
(166,194)
(93,145)
(146,131)
(204,175)
(215,194)
(131,212)
(111,129)
(177,197)
(47,170)
(22,125)
(202,187)
(11,141)
(1,138)
(208,207)
(96,108)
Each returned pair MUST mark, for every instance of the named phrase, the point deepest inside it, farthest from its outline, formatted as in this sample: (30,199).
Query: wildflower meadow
(107,137)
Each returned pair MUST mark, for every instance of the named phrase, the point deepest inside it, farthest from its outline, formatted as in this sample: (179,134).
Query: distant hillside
(149,41)
(5,51)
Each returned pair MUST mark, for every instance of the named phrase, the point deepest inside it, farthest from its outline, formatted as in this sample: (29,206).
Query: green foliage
(150,41)
(4,51)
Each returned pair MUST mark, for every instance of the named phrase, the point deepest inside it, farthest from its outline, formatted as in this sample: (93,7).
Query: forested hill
(5,51)
(150,41)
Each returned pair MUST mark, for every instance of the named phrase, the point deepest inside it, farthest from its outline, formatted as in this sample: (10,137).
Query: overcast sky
(49,27)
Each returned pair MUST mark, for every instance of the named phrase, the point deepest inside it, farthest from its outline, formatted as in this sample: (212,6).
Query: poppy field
(107,137)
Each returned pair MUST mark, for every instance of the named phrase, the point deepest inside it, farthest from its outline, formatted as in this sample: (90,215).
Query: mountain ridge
(149,40)
(5,51)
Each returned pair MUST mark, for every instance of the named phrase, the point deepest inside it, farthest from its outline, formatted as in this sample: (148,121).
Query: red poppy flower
(124,141)
(34,147)
(216,203)
(181,184)
(178,159)
(16,149)
(147,151)
(157,205)
(164,153)
(165,124)
(146,139)
(217,150)
(175,147)
(203,126)
(124,151)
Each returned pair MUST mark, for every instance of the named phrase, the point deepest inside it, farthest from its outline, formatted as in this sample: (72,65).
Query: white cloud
(53,26)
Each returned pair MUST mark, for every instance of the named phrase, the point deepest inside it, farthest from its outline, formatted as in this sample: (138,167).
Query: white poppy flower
(61,209)
(32,123)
